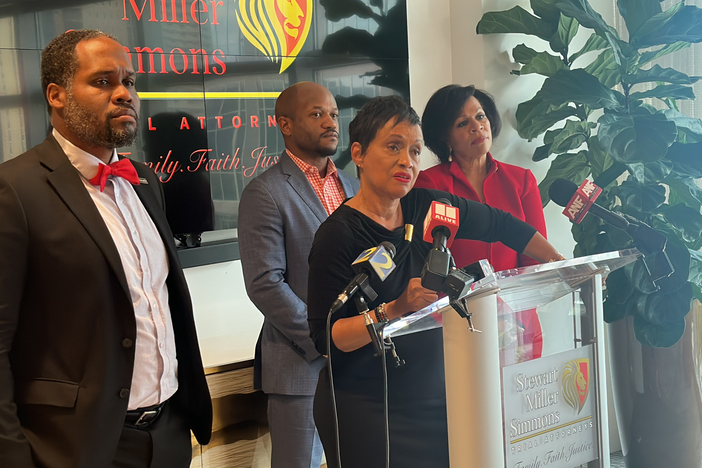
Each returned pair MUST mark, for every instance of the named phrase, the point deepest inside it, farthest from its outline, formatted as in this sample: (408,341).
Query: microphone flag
(441,215)
(378,259)
(583,198)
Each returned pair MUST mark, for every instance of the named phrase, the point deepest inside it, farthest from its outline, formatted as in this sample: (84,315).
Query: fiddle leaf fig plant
(605,111)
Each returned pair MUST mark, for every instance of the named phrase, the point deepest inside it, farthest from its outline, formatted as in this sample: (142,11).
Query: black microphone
(377,262)
(440,227)
(650,242)
(562,192)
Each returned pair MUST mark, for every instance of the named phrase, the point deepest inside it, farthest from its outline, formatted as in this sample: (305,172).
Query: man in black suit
(99,360)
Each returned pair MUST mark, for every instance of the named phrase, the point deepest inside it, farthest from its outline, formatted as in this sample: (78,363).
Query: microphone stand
(652,245)
(375,331)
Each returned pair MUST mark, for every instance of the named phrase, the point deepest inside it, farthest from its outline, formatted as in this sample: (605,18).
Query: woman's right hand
(415,297)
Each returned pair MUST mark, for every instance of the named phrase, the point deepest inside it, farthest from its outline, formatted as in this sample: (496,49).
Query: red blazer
(512,189)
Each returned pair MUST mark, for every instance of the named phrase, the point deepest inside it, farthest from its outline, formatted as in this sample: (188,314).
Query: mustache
(121,108)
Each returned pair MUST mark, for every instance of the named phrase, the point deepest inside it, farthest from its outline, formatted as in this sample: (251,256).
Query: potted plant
(608,112)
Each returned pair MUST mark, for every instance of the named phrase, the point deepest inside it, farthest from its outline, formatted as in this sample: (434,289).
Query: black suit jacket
(67,325)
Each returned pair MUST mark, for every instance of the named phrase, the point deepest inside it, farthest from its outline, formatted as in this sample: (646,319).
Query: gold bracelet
(380,315)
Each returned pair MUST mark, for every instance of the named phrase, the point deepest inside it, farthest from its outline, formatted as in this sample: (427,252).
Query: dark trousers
(164,444)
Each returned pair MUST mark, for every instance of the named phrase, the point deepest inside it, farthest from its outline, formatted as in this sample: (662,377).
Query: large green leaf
(695,276)
(658,73)
(650,172)
(655,22)
(679,256)
(640,277)
(568,166)
(594,42)
(570,137)
(637,12)
(688,158)
(541,153)
(545,10)
(663,322)
(567,29)
(599,160)
(658,336)
(672,91)
(639,197)
(636,138)
(542,63)
(579,87)
(515,20)
(605,69)
(535,116)
(687,125)
(523,54)
(686,220)
(684,190)
(685,25)
(619,292)
(647,57)
(586,16)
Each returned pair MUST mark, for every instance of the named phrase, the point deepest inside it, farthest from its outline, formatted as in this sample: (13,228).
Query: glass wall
(208,74)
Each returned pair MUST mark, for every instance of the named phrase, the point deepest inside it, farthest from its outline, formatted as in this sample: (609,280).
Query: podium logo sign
(576,383)
(278,28)
(549,418)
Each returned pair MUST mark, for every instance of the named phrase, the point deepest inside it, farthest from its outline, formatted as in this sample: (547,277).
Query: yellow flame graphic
(278,28)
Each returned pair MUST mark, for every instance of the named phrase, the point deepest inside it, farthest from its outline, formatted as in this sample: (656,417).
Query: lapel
(67,182)
(152,204)
(300,184)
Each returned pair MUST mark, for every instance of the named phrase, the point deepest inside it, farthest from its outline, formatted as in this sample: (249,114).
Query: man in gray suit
(279,212)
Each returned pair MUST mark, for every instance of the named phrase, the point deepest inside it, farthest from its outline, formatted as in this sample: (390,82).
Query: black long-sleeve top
(346,233)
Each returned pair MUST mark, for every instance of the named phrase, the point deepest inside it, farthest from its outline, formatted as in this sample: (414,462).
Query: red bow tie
(122,168)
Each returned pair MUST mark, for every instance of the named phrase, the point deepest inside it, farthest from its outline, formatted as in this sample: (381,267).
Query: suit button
(124,393)
(127,343)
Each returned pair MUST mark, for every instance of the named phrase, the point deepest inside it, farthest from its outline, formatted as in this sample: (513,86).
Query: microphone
(578,201)
(377,262)
(441,223)
(440,227)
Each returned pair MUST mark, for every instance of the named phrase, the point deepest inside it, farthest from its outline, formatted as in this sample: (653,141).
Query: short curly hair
(59,60)
(443,109)
(375,114)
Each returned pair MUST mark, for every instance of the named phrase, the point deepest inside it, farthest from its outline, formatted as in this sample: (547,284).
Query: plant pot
(657,396)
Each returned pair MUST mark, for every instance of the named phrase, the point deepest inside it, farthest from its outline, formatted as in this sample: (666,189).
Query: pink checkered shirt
(329,189)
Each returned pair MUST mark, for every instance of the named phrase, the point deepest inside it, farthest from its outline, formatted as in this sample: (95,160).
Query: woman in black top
(386,141)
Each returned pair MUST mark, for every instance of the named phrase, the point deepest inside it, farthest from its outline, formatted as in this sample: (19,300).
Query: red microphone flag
(440,214)
(582,200)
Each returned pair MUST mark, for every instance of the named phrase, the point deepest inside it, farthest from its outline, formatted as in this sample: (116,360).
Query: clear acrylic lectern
(524,400)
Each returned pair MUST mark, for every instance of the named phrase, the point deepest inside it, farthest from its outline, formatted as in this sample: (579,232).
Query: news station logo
(278,28)
(446,213)
(379,259)
(582,200)
(576,383)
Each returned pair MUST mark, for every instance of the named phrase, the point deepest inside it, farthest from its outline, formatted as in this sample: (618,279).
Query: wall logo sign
(576,383)
(278,28)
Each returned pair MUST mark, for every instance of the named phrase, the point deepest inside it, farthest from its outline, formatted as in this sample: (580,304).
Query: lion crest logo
(576,383)
(278,28)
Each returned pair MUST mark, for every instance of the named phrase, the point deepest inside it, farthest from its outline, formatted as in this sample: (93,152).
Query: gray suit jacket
(279,213)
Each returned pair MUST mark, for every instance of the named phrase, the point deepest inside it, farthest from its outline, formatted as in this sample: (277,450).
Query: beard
(86,125)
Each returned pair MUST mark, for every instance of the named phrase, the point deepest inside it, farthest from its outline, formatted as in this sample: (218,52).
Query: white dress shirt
(145,264)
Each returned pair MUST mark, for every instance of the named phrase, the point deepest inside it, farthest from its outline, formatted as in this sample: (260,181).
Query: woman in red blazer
(459,124)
